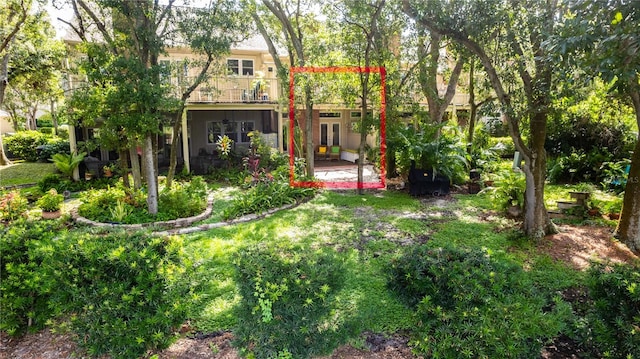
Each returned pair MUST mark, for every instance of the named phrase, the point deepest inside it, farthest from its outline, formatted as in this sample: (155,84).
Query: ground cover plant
(125,205)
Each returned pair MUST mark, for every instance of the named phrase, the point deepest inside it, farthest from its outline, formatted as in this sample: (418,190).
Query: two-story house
(246,96)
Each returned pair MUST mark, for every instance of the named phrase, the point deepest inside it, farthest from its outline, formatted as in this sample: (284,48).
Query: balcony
(236,89)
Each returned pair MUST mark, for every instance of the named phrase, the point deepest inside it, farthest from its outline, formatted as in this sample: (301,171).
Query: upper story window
(240,67)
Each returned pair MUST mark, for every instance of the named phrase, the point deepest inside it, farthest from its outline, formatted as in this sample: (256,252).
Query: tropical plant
(442,152)
(51,201)
(224,146)
(508,190)
(67,163)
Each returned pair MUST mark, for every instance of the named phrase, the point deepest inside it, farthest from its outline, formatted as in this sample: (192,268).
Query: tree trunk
(54,118)
(150,175)
(628,230)
(173,157)
(124,166)
(308,128)
(3,157)
(363,131)
(3,85)
(135,166)
(472,106)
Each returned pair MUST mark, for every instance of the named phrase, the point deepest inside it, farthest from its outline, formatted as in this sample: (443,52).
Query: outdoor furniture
(322,152)
(335,153)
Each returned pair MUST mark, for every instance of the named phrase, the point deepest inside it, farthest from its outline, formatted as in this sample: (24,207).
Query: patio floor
(343,171)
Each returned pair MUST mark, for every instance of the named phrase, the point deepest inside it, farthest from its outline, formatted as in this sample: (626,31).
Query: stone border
(180,225)
(243,219)
(175,223)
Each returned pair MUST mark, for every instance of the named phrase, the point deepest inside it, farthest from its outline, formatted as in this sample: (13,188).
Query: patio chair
(335,153)
(322,152)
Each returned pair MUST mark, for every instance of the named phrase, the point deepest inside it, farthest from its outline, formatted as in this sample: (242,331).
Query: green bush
(264,196)
(470,304)
(508,190)
(615,321)
(12,206)
(127,292)
(54,146)
(24,144)
(502,146)
(183,199)
(287,294)
(179,201)
(433,147)
(54,181)
(26,284)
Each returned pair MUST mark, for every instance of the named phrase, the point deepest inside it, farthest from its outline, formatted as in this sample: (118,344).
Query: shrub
(126,291)
(12,206)
(444,153)
(508,190)
(124,205)
(615,321)
(24,144)
(53,147)
(469,304)
(53,181)
(184,199)
(266,195)
(26,284)
(287,294)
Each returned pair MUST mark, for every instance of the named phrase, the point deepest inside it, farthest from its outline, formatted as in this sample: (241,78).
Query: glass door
(330,133)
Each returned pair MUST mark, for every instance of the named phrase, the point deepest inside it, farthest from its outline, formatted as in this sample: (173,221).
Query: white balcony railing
(240,89)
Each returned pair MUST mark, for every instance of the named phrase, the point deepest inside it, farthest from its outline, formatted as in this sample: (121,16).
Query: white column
(73,146)
(185,141)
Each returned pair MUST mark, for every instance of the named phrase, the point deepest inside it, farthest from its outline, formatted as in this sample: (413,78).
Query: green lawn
(368,232)
(22,173)
(324,273)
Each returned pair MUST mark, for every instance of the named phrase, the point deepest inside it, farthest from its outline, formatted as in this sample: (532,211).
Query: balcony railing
(240,89)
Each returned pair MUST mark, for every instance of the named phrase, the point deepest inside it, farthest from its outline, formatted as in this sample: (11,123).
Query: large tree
(430,63)
(508,33)
(14,15)
(208,32)
(289,23)
(602,38)
(124,41)
(365,42)
(33,76)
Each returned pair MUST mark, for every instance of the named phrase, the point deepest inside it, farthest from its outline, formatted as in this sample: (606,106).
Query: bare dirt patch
(577,245)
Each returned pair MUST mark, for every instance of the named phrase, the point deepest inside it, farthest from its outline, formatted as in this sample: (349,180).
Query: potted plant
(50,203)
(508,192)
(109,170)
(613,208)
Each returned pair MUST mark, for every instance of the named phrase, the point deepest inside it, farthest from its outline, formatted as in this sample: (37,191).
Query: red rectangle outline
(383,127)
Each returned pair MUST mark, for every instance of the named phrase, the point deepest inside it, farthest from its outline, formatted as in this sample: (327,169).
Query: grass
(22,173)
(367,231)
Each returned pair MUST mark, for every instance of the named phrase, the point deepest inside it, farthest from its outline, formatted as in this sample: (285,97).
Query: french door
(330,133)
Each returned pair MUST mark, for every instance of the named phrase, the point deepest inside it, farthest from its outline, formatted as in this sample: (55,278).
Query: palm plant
(67,163)
(433,147)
